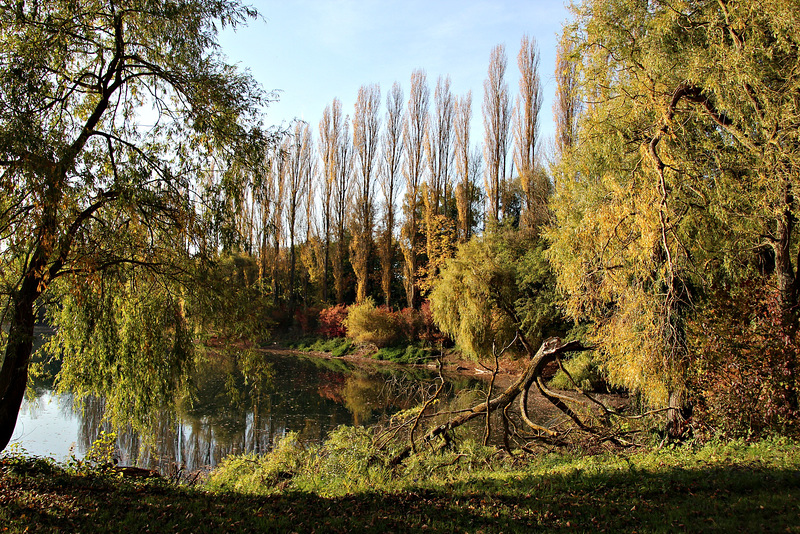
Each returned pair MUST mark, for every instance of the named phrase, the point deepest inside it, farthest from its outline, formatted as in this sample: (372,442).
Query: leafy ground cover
(716,487)
(336,347)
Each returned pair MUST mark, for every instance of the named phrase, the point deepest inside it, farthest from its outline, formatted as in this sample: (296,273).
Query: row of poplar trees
(372,206)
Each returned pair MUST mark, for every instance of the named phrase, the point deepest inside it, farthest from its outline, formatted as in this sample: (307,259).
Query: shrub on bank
(367,323)
(384,327)
(331,321)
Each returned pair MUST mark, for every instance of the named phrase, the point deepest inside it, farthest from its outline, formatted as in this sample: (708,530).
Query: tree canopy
(120,124)
(682,178)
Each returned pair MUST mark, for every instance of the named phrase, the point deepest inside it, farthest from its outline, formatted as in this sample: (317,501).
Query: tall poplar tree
(300,152)
(330,133)
(567,105)
(496,121)
(465,167)
(342,190)
(535,185)
(366,137)
(390,183)
(416,125)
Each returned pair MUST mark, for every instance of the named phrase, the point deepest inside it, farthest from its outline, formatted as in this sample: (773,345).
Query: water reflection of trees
(246,401)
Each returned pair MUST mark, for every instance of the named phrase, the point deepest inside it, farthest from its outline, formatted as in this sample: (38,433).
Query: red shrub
(430,332)
(410,323)
(745,376)
(331,321)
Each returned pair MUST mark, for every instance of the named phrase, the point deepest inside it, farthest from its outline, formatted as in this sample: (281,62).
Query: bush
(418,325)
(331,321)
(367,324)
(744,379)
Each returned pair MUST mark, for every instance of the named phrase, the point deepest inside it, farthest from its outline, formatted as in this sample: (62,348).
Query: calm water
(226,411)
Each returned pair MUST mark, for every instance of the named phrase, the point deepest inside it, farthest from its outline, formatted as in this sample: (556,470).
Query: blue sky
(315,50)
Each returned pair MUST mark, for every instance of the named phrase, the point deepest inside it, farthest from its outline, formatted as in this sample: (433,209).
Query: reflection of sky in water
(47,426)
(227,414)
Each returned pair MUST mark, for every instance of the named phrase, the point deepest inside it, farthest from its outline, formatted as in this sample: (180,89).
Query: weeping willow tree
(497,288)
(124,336)
(119,122)
(682,177)
(496,296)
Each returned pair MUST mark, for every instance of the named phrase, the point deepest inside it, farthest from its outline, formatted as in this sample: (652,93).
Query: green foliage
(585,373)
(16,461)
(346,463)
(254,473)
(367,323)
(343,464)
(496,285)
(103,451)
(230,302)
(337,346)
(342,348)
(125,338)
(412,354)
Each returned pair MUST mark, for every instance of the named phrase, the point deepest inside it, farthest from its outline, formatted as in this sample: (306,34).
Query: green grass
(717,487)
(404,354)
(337,346)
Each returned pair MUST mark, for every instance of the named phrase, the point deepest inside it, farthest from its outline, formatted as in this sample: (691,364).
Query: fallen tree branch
(547,353)
(425,406)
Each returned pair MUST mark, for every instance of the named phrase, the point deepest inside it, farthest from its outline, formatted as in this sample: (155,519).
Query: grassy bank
(717,487)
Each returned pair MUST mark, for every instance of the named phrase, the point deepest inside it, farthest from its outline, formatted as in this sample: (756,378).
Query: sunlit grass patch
(344,485)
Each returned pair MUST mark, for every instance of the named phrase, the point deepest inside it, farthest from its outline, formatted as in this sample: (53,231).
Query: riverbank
(453,362)
(715,487)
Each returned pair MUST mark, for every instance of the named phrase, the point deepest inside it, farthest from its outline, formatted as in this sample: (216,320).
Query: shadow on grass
(736,499)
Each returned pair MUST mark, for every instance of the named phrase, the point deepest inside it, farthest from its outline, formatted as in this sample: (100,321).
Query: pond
(225,411)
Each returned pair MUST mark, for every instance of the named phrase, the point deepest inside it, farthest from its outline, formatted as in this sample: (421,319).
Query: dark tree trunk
(14,372)
(788,289)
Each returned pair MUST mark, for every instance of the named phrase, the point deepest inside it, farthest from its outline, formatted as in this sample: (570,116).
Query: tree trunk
(14,372)
(788,289)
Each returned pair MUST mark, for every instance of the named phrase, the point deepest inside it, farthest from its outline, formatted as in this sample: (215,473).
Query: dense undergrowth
(718,486)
